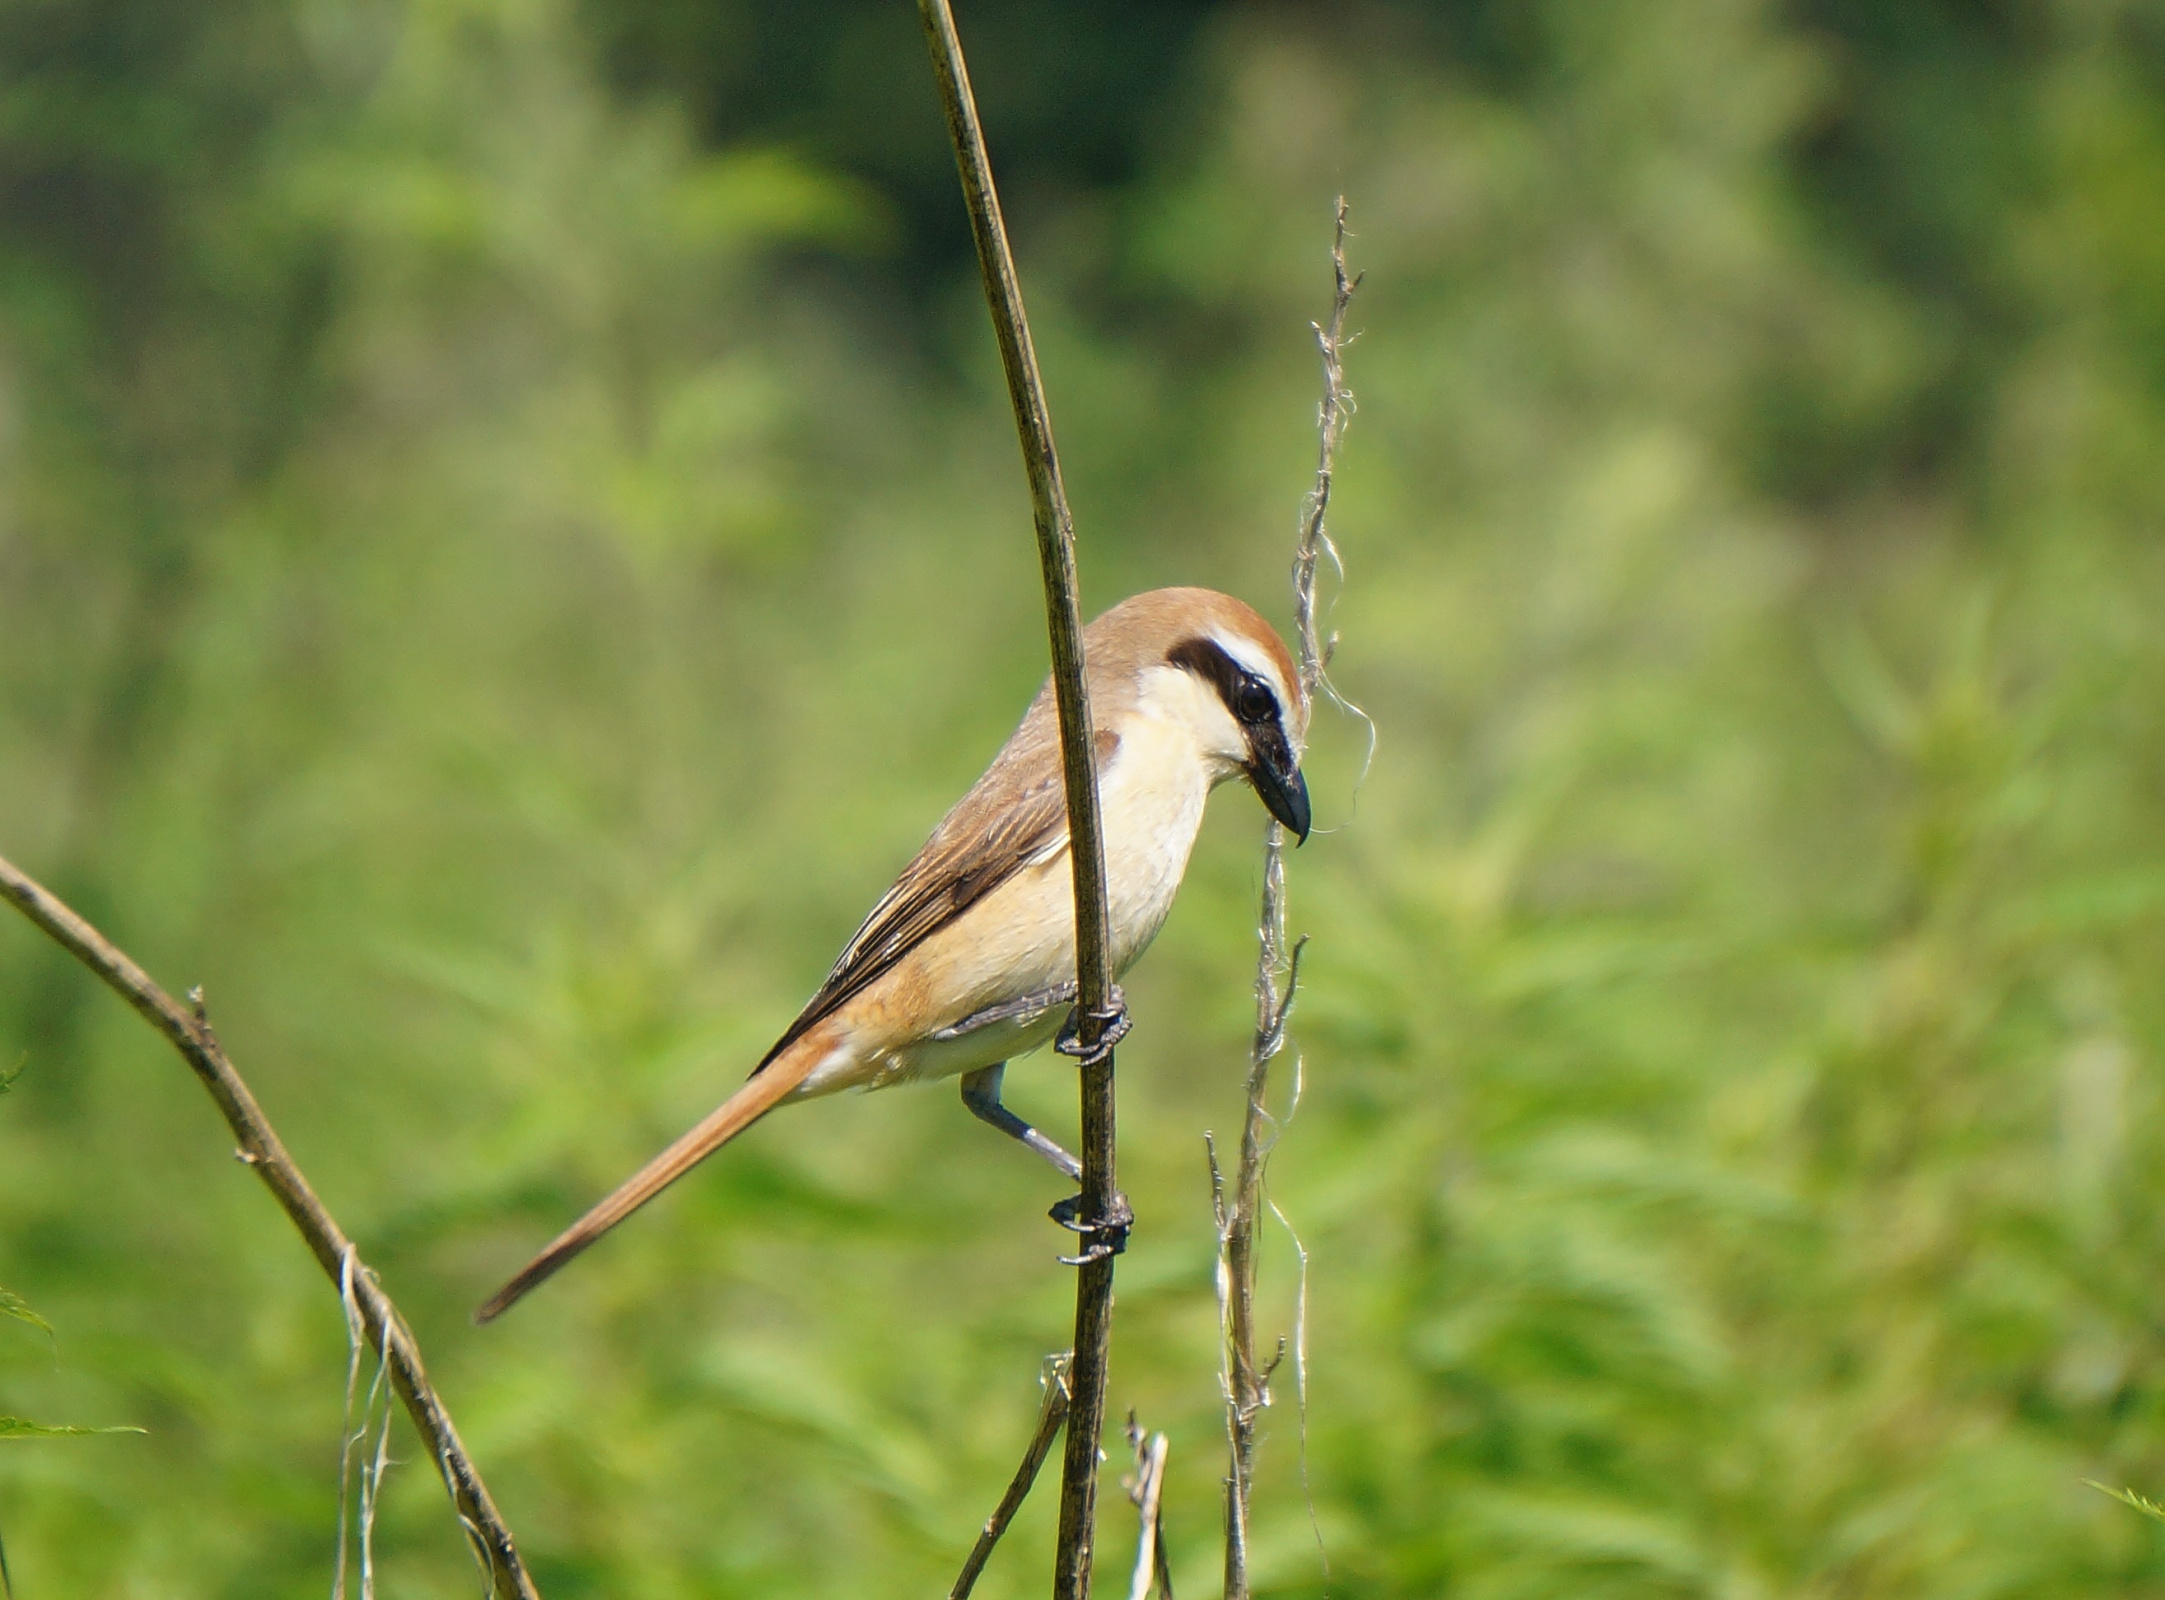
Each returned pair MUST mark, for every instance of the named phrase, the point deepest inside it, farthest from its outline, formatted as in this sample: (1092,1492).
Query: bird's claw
(1103,1236)
(1113,1025)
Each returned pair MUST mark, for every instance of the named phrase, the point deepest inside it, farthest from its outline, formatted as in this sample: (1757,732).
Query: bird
(969,959)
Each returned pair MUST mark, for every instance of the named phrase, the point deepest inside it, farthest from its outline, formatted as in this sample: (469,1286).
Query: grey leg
(981,1093)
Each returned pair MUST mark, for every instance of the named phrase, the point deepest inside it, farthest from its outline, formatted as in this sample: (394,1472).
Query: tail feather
(759,1096)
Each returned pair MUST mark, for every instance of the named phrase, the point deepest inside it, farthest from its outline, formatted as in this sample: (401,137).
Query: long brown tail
(721,1125)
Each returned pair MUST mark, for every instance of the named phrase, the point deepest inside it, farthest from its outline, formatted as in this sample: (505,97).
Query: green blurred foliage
(509,533)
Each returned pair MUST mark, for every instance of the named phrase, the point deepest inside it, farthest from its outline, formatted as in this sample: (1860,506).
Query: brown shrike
(969,959)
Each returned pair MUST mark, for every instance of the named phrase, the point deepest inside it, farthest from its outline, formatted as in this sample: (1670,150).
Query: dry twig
(1093,976)
(1277,976)
(1146,1488)
(260,1148)
(1049,1418)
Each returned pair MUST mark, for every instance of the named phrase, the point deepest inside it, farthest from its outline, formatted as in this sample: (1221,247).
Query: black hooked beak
(1278,783)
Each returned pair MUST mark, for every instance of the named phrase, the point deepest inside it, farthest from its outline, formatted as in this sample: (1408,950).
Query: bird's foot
(1102,1236)
(1113,1025)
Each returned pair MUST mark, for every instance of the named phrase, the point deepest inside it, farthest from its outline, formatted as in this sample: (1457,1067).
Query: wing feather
(1015,816)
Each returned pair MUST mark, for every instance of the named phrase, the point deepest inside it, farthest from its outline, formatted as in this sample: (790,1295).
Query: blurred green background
(510,534)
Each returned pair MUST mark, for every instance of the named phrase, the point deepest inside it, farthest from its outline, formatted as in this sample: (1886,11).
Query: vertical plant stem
(260,1148)
(1277,976)
(1093,977)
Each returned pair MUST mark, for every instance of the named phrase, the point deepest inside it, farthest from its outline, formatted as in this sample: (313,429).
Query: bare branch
(1277,978)
(1050,1416)
(191,1034)
(1056,558)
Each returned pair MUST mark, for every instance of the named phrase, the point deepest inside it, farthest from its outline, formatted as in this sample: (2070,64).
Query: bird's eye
(1255,702)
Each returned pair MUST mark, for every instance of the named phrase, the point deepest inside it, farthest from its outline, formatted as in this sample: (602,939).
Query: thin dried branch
(1146,1489)
(189,1032)
(1050,1416)
(1277,975)
(1093,976)
(1333,415)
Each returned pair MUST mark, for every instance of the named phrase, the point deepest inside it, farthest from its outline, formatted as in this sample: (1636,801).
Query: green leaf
(2128,1497)
(13,1305)
(24,1428)
(7,1078)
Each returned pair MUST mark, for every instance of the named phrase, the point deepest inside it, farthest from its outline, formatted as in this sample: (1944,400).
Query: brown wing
(1014,815)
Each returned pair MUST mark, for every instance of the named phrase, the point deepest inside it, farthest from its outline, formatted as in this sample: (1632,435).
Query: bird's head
(1209,664)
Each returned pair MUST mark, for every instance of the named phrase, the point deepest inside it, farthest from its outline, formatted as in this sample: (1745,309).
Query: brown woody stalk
(1093,975)
(1277,977)
(260,1148)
